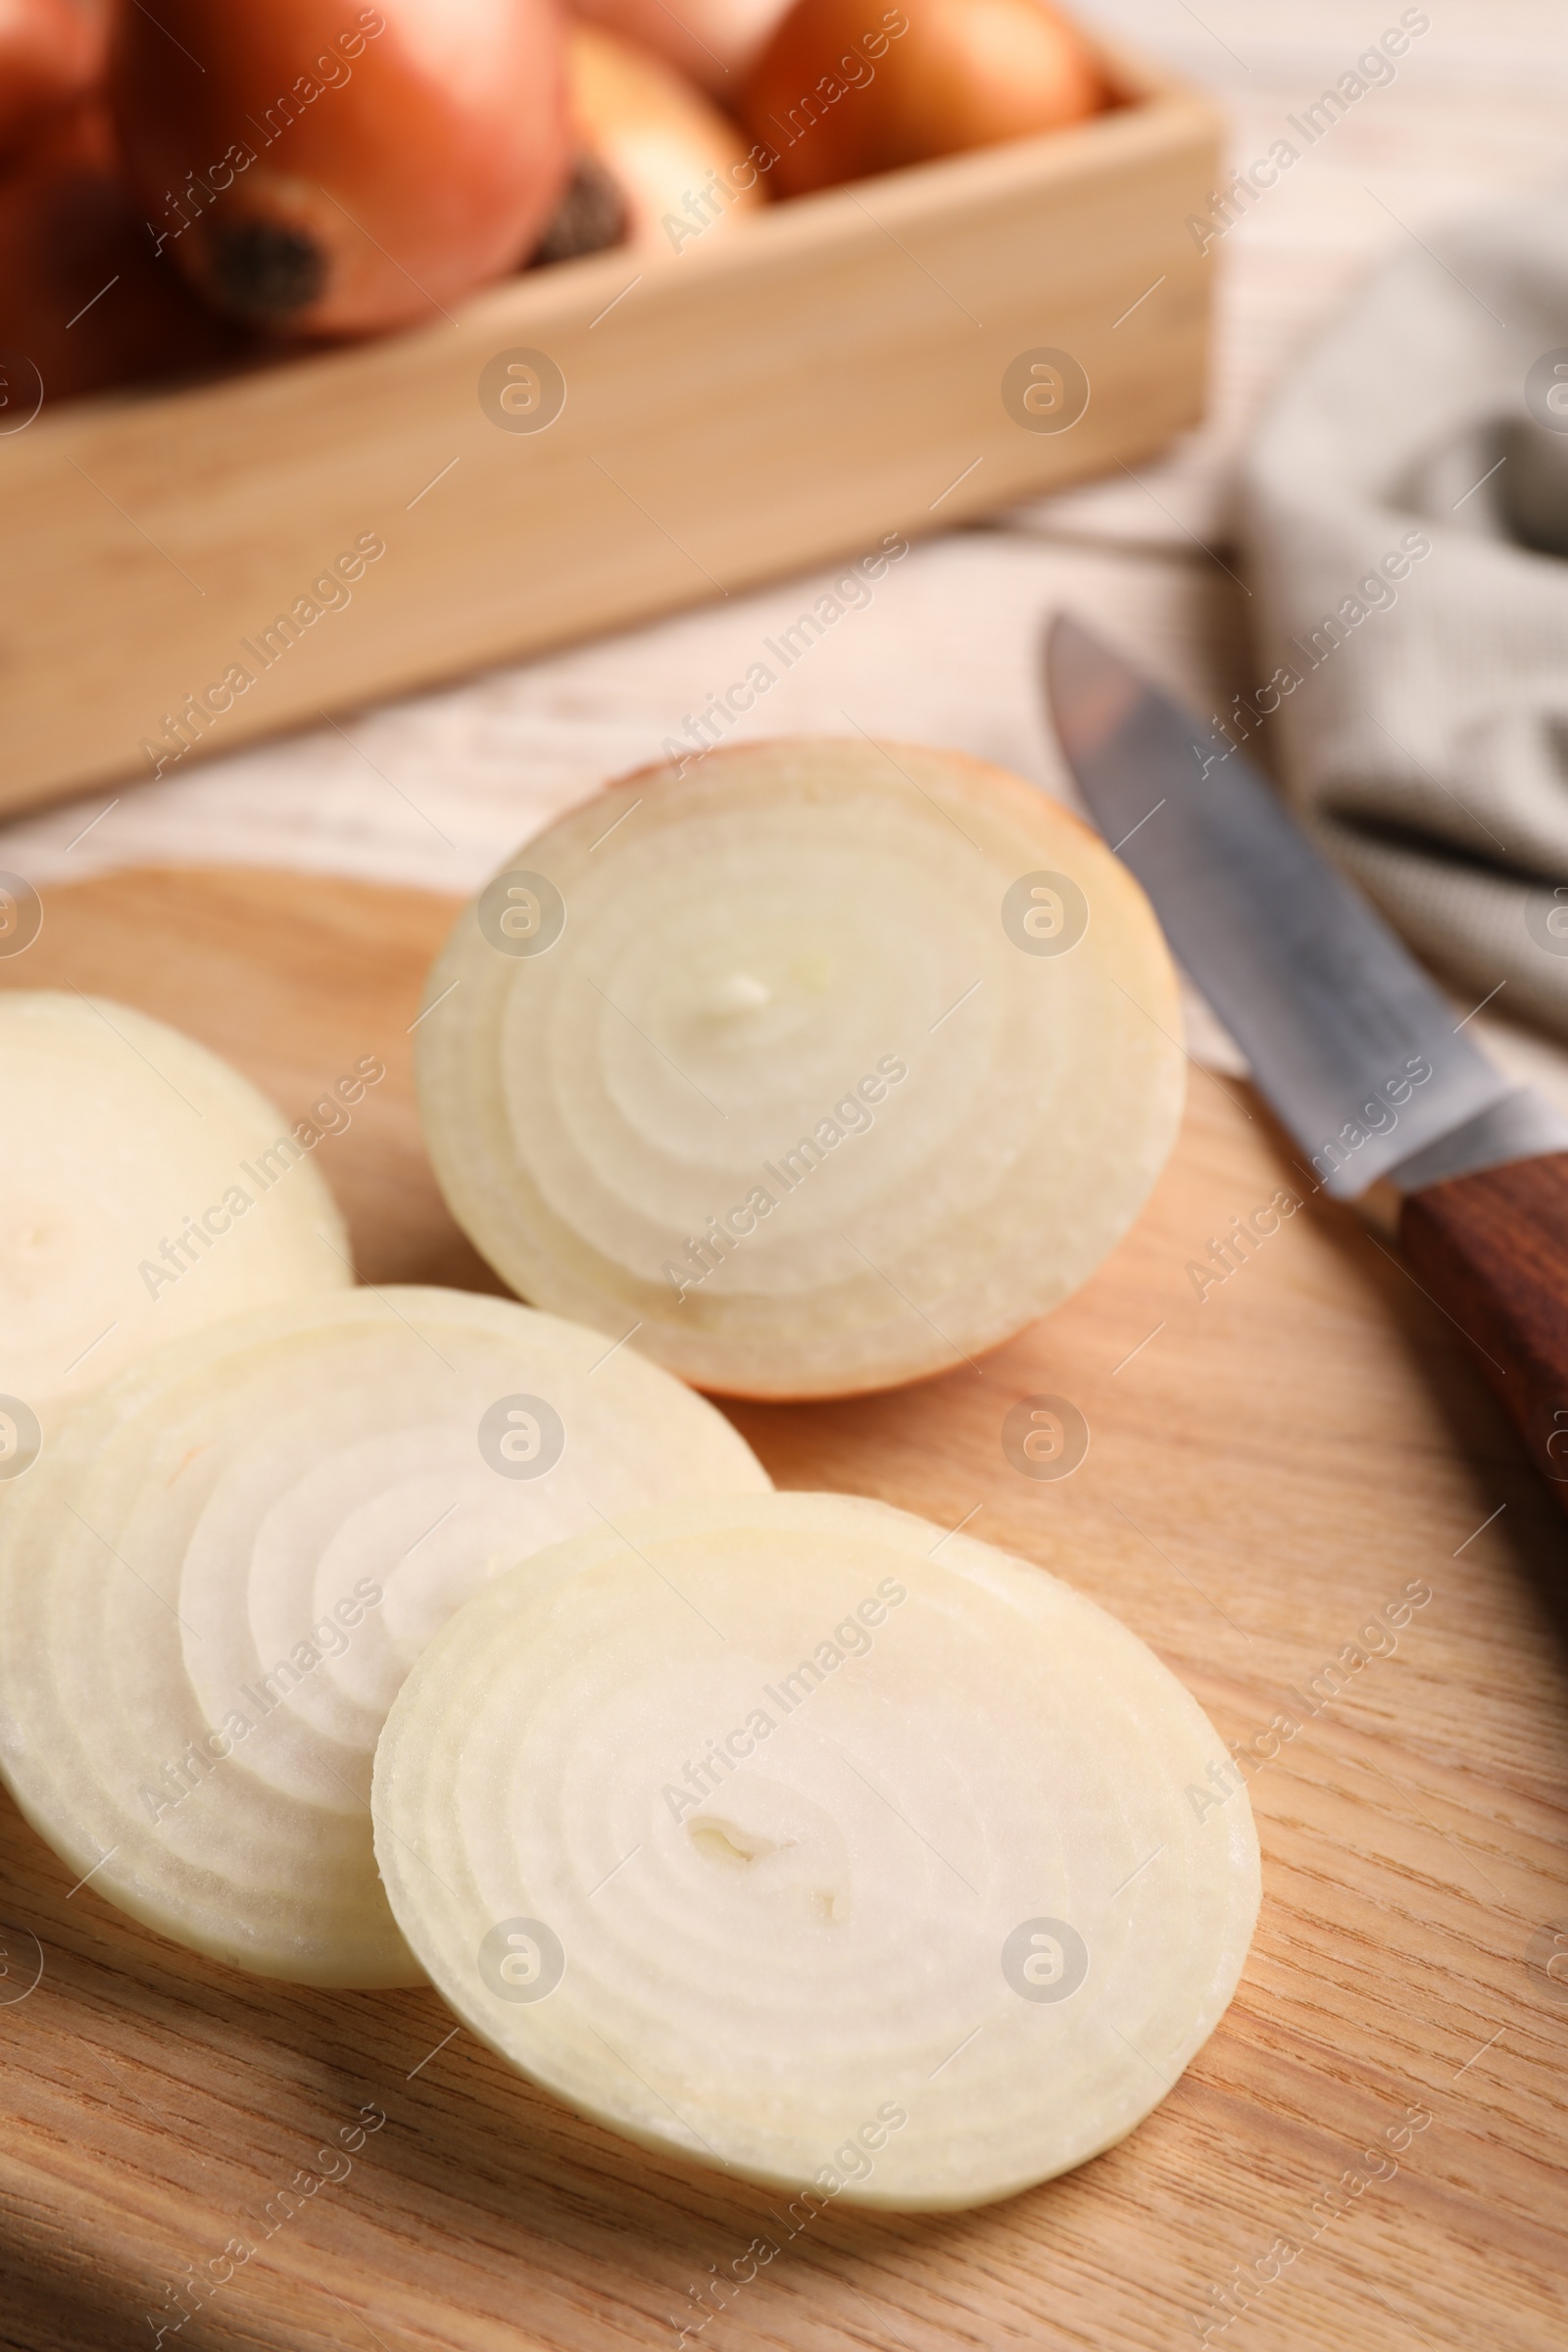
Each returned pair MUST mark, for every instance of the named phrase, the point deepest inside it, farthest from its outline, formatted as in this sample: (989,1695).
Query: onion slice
(217,1576)
(827,1064)
(791,1836)
(146,1189)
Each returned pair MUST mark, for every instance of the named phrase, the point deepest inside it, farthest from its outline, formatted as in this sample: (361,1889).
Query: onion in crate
(320,169)
(791,1836)
(842,92)
(146,1189)
(217,1575)
(51,55)
(710,42)
(660,166)
(825,1064)
(85,303)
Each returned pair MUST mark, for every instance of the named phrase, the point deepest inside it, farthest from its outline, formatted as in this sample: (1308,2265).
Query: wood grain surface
(1271,1468)
(1491,1249)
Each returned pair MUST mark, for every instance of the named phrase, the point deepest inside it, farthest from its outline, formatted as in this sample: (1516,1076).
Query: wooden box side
(826,375)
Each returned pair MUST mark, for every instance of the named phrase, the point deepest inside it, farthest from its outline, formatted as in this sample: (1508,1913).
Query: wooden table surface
(1272,1471)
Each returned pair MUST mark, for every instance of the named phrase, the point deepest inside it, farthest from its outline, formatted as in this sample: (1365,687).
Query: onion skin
(842,97)
(710,42)
(334,173)
(68,229)
(51,55)
(661,143)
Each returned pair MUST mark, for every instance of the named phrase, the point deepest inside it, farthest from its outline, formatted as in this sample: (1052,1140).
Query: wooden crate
(827,372)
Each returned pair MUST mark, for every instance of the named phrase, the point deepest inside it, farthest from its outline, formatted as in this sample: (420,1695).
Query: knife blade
(1356,1050)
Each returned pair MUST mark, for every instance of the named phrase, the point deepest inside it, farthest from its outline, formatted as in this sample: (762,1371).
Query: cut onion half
(827,1064)
(791,1836)
(146,1189)
(218,1574)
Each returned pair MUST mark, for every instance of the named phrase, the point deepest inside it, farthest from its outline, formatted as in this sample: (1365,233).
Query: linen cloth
(1403,514)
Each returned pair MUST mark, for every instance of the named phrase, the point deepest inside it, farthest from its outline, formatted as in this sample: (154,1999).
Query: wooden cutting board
(1270,1469)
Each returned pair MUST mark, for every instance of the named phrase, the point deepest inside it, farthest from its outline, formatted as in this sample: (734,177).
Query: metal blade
(1354,1047)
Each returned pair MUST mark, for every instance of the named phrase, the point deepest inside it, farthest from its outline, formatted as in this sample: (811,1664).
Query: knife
(1357,1051)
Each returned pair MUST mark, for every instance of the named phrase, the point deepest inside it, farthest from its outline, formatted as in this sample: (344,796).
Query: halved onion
(788,1835)
(215,1581)
(826,1063)
(146,1189)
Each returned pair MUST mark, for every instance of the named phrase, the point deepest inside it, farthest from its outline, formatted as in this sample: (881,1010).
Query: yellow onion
(782,1834)
(215,1580)
(818,1068)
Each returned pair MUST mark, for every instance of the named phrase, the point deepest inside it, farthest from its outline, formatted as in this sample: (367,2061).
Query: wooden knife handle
(1493,1251)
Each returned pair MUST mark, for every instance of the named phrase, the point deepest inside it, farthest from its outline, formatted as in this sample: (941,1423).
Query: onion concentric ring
(787,1834)
(827,1064)
(215,1580)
